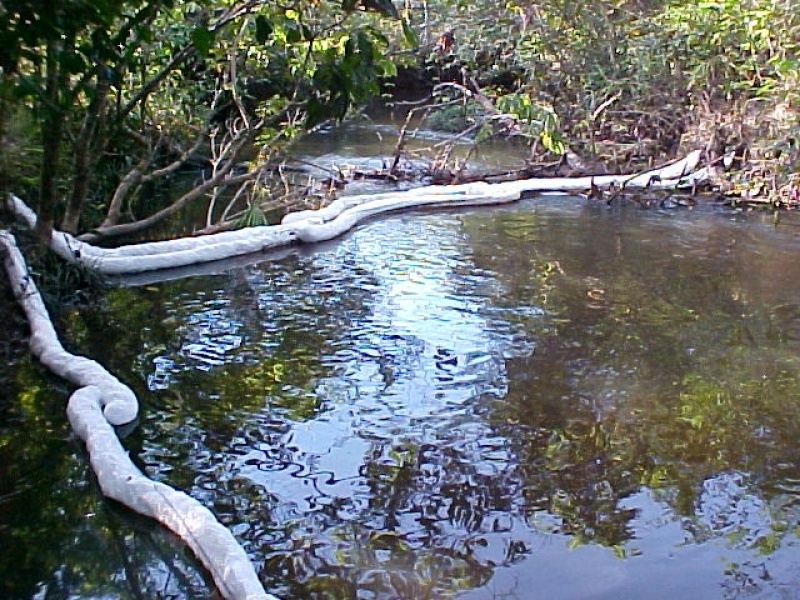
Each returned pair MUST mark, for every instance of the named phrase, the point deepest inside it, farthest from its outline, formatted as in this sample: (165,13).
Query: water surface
(547,400)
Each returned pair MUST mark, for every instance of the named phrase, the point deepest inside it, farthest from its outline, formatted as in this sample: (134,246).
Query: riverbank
(622,87)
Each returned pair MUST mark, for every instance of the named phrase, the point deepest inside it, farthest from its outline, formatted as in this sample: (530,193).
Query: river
(554,399)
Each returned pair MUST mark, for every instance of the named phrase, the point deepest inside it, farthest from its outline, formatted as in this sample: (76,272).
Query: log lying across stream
(102,401)
(341,216)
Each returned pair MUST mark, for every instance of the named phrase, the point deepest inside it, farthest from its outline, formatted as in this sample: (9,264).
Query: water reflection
(496,381)
(405,364)
(555,397)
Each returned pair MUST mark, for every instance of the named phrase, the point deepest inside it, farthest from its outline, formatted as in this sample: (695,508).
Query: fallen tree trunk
(101,401)
(339,217)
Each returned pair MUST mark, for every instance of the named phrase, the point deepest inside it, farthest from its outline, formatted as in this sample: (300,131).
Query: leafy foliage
(138,84)
(630,73)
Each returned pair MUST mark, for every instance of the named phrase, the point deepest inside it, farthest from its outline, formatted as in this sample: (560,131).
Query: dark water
(548,400)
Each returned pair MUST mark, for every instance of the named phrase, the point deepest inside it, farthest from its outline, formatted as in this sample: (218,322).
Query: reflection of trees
(36,481)
(645,374)
(418,524)
(207,417)
(421,533)
(656,366)
(153,560)
(59,538)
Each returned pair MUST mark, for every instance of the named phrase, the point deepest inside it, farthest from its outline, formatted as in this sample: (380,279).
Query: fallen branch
(313,226)
(101,401)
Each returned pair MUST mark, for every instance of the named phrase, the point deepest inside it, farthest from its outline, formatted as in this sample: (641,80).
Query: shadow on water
(547,400)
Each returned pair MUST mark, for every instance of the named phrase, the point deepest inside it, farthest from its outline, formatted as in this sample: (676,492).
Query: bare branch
(133,178)
(221,179)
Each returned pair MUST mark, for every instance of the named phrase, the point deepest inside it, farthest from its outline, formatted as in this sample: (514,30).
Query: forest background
(103,103)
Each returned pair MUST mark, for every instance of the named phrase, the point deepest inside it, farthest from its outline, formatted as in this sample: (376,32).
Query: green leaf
(202,39)
(409,35)
(386,68)
(383,7)
(315,113)
(365,46)
(264,29)
(143,34)
(72,62)
(293,33)
(484,132)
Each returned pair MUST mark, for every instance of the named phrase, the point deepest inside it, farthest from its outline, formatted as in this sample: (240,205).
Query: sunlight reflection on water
(435,407)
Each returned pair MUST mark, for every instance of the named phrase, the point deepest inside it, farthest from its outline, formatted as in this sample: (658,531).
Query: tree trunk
(83,158)
(5,142)
(52,123)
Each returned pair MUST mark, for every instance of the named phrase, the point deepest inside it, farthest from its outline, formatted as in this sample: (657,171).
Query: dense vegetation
(102,101)
(641,80)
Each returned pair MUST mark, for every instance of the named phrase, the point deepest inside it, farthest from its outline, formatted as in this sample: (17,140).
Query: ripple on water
(385,453)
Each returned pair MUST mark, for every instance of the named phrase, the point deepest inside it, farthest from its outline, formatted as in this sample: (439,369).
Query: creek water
(553,399)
